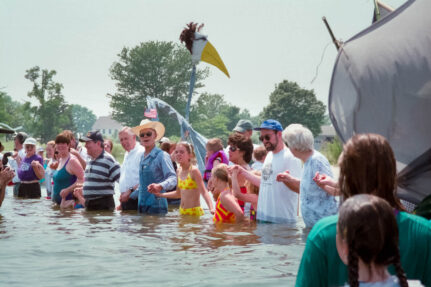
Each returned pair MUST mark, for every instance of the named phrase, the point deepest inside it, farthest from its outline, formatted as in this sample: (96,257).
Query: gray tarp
(381,83)
(197,140)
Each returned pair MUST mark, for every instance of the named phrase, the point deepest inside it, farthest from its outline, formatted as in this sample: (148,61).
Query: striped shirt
(101,175)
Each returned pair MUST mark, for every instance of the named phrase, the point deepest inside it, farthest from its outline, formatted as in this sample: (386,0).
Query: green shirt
(321,265)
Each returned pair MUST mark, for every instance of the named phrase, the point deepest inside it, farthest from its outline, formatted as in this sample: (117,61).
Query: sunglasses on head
(148,134)
(233,148)
(265,137)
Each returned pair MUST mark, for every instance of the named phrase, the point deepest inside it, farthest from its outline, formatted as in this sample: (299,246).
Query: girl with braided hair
(367,241)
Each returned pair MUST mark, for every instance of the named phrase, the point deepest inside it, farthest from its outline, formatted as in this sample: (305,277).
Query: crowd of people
(365,236)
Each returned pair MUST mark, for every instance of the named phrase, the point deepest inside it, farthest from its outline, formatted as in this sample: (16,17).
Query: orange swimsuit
(223,215)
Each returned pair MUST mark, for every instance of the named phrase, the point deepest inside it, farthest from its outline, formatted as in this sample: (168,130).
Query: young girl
(215,156)
(367,241)
(227,207)
(190,184)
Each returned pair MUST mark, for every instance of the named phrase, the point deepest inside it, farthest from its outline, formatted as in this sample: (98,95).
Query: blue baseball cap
(270,125)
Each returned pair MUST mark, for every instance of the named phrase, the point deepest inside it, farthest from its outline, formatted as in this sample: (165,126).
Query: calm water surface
(43,246)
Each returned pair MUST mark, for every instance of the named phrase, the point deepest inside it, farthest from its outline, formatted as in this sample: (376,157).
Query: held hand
(322,180)
(283,176)
(124,197)
(212,211)
(53,165)
(154,188)
(35,163)
(77,192)
(6,175)
(63,193)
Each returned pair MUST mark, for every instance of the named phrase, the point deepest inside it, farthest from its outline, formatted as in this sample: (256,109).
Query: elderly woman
(30,171)
(68,173)
(367,166)
(156,172)
(316,203)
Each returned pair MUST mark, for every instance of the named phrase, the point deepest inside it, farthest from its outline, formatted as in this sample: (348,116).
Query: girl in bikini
(190,184)
(228,209)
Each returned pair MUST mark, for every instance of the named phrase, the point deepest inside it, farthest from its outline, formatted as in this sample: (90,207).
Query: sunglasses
(266,137)
(233,148)
(148,134)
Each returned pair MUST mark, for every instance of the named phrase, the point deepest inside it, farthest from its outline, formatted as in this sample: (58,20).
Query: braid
(399,269)
(353,268)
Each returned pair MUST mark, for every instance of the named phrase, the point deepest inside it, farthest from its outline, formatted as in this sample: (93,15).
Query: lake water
(41,245)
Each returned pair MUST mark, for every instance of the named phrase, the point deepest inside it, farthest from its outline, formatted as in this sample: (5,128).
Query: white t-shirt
(130,168)
(14,165)
(277,203)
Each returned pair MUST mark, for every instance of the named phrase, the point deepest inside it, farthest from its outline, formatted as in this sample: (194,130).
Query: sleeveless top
(222,214)
(219,155)
(188,183)
(62,179)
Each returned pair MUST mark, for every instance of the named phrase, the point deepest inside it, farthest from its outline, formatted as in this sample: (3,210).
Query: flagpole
(192,86)
(334,40)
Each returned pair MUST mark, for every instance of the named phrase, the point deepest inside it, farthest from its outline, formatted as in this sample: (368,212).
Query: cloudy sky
(261,42)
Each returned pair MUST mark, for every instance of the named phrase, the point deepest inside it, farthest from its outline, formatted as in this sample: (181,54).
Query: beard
(270,146)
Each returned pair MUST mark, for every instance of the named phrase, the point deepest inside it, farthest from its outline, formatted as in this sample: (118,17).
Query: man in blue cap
(277,202)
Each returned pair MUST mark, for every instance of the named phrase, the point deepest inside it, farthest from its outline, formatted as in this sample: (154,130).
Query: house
(107,126)
(328,134)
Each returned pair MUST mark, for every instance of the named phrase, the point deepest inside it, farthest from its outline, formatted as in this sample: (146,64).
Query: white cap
(30,141)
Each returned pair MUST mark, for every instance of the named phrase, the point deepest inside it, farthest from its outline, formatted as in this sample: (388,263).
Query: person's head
(299,139)
(270,135)
(108,145)
(213,145)
(71,136)
(165,146)
(62,144)
(219,180)
(149,133)
(40,152)
(367,231)
(50,149)
(184,153)
(259,153)
(1,147)
(127,138)
(240,148)
(244,127)
(94,143)
(30,146)
(19,140)
(367,165)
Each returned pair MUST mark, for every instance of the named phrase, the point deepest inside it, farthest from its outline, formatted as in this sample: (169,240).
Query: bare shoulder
(195,172)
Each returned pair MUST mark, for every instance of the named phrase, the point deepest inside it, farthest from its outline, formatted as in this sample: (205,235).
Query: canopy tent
(5,129)
(381,83)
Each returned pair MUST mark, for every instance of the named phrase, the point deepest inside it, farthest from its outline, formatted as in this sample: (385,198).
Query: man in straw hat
(156,172)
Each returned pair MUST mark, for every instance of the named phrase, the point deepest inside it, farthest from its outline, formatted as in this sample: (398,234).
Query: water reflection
(115,247)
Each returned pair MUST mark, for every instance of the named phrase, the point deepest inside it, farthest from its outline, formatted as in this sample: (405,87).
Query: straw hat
(147,124)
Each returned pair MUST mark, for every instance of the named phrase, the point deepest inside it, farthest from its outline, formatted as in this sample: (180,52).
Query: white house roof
(106,123)
(328,130)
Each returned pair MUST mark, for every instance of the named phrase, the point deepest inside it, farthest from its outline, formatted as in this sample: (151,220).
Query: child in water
(367,242)
(190,184)
(227,206)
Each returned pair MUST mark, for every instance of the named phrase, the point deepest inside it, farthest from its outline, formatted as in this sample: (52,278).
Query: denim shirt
(156,167)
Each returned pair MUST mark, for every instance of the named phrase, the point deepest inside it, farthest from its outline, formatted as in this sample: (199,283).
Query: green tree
(14,113)
(52,114)
(83,118)
(212,116)
(291,104)
(155,69)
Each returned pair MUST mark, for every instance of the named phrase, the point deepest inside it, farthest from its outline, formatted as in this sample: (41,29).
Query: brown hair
(221,173)
(214,144)
(368,225)
(367,165)
(69,134)
(259,153)
(165,146)
(190,150)
(111,144)
(52,143)
(62,138)
(243,143)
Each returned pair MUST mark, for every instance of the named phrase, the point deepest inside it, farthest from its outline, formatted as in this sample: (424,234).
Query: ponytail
(353,268)
(399,269)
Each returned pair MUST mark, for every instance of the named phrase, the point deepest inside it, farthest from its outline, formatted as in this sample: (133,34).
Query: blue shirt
(315,202)
(162,170)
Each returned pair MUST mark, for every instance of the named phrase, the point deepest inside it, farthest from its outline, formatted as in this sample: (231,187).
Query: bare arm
(290,181)
(327,183)
(197,177)
(79,157)
(246,197)
(38,169)
(229,202)
(248,175)
(6,176)
(74,167)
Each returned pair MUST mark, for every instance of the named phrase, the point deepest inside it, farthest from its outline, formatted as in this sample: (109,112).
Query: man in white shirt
(277,202)
(129,178)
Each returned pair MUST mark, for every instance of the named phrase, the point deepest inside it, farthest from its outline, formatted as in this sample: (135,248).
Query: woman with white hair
(315,202)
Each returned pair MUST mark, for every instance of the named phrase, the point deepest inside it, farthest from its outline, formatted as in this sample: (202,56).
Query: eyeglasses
(148,134)
(29,146)
(233,148)
(265,137)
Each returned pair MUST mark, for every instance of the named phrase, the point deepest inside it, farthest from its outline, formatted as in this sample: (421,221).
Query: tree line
(161,70)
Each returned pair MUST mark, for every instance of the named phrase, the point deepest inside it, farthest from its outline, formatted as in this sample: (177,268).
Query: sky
(261,43)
